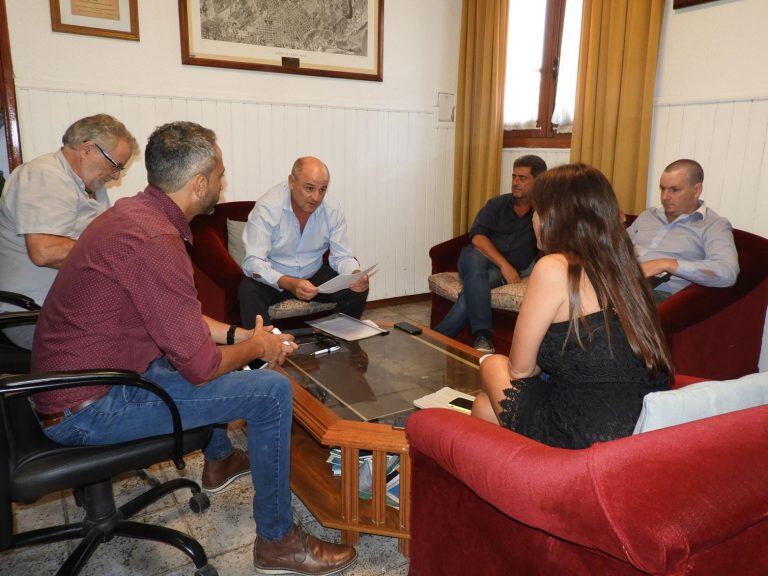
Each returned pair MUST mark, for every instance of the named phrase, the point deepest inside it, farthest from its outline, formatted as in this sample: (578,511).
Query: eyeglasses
(117,167)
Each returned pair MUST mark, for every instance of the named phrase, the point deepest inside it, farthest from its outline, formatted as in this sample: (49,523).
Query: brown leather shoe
(218,474)
(301,553)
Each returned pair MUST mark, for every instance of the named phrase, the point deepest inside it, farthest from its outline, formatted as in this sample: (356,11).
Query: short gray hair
(103,129)
(693,169)
(177,152)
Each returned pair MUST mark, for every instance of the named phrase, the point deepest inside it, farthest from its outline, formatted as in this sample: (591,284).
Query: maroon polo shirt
(124,297)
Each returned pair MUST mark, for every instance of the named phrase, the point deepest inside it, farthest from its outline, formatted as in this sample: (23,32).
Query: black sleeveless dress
(591,395)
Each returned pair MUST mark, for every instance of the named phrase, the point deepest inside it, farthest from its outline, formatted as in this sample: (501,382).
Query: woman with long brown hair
(587,320)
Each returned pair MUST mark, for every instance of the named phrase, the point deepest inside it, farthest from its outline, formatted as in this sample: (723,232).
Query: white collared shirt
(275,246)
(701,242)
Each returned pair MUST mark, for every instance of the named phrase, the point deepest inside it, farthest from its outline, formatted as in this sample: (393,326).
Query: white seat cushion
(701,400)
(507,297)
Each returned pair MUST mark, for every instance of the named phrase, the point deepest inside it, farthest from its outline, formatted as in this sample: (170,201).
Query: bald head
(692,168)
(308,182)
(308,163)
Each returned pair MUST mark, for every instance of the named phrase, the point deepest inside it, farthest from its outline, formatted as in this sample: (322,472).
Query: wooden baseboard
(383,303)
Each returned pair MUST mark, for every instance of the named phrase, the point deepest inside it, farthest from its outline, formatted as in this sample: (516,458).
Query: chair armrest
(648,499)
(18,300)
(695,303)
(33,383)
(210,255)
(445,256)
(18,318)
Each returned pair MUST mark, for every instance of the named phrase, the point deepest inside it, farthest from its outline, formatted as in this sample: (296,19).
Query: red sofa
(685,500)
(217,275)
(712,332)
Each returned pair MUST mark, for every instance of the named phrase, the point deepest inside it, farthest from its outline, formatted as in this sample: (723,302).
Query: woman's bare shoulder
(552,266)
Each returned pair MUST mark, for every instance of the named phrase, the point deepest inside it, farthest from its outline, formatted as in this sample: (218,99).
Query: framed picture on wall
(685,3)
(10,154)
(338,38)
(110,18)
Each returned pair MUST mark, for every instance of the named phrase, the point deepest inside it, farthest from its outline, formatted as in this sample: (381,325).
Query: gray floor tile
(132,557)
(42,560)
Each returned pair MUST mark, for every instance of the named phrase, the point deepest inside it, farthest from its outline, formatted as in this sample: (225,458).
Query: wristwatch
(231,334)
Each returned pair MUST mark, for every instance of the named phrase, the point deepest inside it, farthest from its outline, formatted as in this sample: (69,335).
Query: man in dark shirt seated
(125,298)
(503,246)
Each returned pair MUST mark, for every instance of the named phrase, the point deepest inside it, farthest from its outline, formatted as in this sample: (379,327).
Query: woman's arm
(546,298)
(545,301)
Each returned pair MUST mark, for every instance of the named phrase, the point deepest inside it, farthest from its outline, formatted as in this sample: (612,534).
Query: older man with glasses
(47,203)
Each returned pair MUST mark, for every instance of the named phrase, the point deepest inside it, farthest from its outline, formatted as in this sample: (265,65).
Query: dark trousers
(479,276)
(256,298)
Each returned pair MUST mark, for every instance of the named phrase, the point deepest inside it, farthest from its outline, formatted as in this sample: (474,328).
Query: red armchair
(685,500)
(217,275)
(712,332)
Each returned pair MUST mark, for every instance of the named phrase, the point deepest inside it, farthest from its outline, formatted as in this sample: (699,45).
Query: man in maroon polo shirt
(125,299)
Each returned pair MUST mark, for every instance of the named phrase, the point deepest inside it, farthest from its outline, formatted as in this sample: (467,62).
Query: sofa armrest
(695,303)
(445,256)
(211,255)
(650,500)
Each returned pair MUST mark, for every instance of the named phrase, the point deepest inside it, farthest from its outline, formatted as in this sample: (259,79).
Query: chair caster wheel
(200,503)
(206,570)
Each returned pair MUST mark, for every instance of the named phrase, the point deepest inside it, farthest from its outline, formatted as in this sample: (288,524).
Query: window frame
(545,135)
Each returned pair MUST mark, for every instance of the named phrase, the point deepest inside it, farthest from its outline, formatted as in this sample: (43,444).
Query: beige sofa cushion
(507,297)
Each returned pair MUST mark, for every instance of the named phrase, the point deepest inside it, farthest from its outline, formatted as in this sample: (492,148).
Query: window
(542,59)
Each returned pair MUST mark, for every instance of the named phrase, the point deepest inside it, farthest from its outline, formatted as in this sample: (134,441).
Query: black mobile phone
(408,327)
(461,404)
(659,279)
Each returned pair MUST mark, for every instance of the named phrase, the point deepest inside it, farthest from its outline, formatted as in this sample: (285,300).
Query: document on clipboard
(343,281)
(345,327)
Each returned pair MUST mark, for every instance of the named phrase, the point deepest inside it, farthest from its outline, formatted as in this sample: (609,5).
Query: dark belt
(48,420)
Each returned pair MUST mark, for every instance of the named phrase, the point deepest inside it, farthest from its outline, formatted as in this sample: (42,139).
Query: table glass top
(378,378)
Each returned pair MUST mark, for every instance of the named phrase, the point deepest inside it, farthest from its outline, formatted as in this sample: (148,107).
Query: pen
(325,351)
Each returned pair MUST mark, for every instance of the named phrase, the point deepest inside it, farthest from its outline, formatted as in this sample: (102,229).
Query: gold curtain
(614,94)
(479,108)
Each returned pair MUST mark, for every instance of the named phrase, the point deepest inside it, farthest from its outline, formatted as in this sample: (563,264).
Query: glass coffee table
(349,399)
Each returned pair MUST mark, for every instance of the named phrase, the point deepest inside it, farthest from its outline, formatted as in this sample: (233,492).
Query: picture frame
(344,41)
(109,18)
(10,119)
(686,3)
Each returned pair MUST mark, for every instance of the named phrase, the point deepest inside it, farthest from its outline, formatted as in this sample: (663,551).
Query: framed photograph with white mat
(337,38)
(110,18)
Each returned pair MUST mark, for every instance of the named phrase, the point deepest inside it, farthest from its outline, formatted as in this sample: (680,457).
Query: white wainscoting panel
(391,168)
(728,138)
(552,156)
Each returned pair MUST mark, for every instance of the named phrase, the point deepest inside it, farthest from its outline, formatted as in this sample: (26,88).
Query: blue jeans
(473,305)
(262,398)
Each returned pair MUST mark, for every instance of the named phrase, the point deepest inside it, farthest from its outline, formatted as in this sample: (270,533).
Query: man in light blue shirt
(683,237)
(288,231)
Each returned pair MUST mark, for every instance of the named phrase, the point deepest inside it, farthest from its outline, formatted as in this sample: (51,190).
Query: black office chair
(32,466)
(14,359)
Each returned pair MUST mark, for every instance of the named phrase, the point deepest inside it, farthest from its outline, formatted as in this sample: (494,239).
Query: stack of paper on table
(345,327)
(441,398)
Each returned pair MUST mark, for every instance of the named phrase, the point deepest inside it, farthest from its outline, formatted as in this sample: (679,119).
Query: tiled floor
(225,530)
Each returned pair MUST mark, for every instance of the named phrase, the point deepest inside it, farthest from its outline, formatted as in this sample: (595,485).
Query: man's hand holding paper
(357,282)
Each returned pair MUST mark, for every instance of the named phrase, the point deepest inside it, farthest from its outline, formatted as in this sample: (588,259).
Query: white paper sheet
(342,281)
(441,399)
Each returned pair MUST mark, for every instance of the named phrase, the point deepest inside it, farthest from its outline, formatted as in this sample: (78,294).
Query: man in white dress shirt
(288,231)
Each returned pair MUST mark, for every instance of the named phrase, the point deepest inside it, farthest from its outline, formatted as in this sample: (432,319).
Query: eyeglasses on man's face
(116,167)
